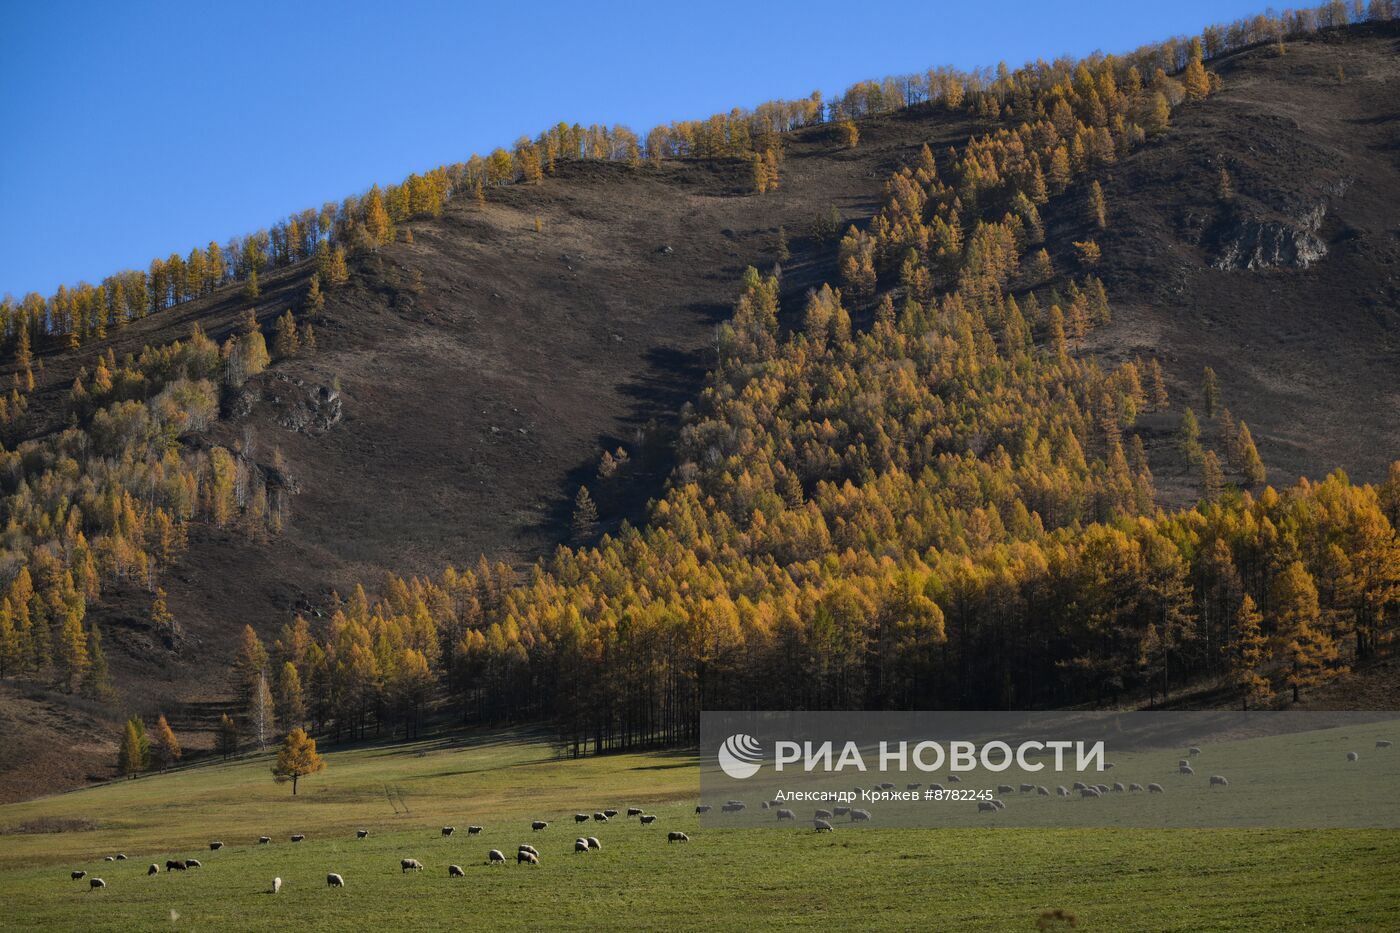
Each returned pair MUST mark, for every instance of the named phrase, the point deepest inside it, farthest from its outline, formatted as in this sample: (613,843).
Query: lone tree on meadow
(297,759)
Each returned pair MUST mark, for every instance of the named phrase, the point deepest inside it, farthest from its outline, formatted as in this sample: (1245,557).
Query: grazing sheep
(915,786)
(823,815)
(1118,787)
(786,815)
(1352,756)
(580,845)
(1135,788)
(1027,788)
(593,843)
(1102,788)
(1005,789)
(860,816)
(1042,791)
(647,819)
(409,864)
(1193,750)
(986,806)
(840,811)
(822,826)
(580,817)
(448,830)
(703,808)
(361,834)
(634,811)
(153,870)
(96,883)
(937,787)
(276,885)
(731,808)
(1155,789)
(1382,743)
(265,840)
(528,858)
(1218,779)
(193,863)
(526,847)
(885,785)
(1000,805)
(298,837)
(1186,769)
(174,865)
(954,779)
(334,881)
(473,830)
(676,835)
(1062,790)
(766,805)
(610,813)
(539,825)
(496,855)
(600,817)
(120,857)
(1183,763)
(215,846)
(109,858)
(1080,785)
(735,803)
(77,875)
(1109,766)
(1089,792)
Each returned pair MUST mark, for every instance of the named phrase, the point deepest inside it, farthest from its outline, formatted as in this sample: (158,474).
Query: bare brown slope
(1307,356)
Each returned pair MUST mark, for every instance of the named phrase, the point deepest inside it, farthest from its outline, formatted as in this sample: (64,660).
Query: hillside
(466,383)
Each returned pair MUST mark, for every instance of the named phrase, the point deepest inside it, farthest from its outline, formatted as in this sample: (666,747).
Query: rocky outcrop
(1250,244)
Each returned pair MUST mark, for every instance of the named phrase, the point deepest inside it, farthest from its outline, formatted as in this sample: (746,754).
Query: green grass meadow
(964,878)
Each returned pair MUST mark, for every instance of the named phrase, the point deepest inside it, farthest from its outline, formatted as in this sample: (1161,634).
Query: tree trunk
(294,785)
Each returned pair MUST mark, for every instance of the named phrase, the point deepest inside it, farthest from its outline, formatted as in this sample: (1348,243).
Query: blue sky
(131,130)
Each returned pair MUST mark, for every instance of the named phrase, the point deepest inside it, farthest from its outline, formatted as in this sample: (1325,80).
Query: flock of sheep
(822,821)
(525,854)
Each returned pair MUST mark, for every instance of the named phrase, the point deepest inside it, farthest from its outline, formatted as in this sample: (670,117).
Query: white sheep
(264,840)
(1382,743)
(1118,787)
(676,835)
(786,815)
(703,808)
(915,786)
(361,834)
(646,819)
(526,847)
(1005,789)
(1089,792)
(1080,785)
(580,817)
(215,846)
(1062,790)
(455,871)
(276,885)
(1352,756)
(1183,763)
(496,855)
(822,826)
(1218,780)
(1155,789)
(1042,791)
(334,881)
(77,875)
(448,830)
(986,806)
(610,813)
(600,817)
(860,816)
(954,779)
(841,811)
(529,858)
(121,857)
(409,864)
(937,787)
(193,863)
(96,883)
(1135,788)
(538,825)
(298,837)
(731,808)
(1027,788)
(109,858)
(999,804)
(1186,769)
(473,830)
(634,811)
(822,815)
(1193,750)
(593,843)
(153,869)
(580,845)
